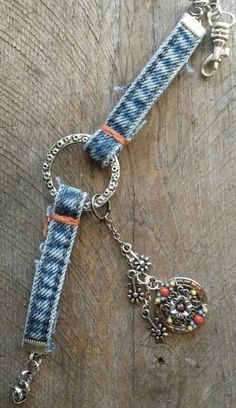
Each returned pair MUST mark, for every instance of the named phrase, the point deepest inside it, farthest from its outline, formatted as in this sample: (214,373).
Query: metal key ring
(102,198)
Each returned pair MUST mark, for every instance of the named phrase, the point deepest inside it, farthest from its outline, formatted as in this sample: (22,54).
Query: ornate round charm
(80,138)
(181,304)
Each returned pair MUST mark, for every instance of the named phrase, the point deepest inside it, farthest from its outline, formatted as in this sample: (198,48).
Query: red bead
(198,319)
(164,291)
(180,308)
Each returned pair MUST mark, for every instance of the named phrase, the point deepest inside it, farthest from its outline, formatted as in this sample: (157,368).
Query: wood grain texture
(176,203)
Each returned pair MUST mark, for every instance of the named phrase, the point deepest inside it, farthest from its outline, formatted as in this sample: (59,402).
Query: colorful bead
(165,292)
(181,303)
(180,308)
(198,319)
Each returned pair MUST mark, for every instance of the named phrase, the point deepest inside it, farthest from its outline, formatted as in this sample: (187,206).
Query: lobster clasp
(212,62)
(220,35)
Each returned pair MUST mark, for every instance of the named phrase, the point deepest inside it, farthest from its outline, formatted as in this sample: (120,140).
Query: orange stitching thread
(111,132)
(59,218)
(64,220)
(45,226)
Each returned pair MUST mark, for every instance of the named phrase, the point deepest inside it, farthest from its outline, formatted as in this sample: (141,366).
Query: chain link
(146,308)
(199,8)
(21,389)
(139,263)
(125,247)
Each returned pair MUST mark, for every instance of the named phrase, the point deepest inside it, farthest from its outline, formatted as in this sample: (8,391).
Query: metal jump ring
(213,17)
(101,199)
(95,211)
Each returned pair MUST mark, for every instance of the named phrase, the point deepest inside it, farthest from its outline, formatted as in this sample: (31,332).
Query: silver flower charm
(135,293)
(157,329)
(141,263)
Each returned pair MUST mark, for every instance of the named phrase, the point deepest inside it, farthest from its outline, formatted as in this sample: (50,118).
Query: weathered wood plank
(176,203)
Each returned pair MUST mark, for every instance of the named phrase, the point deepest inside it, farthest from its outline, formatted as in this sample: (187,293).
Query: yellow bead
(172,283)
(169,320)
(157,301)
(205,310)
(193,292)
(190,328)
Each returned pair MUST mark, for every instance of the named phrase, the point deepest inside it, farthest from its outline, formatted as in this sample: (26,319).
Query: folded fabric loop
(51,268)
(128,115)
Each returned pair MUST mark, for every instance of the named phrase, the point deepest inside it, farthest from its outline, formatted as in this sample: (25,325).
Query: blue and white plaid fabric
(51,269)
(128,115)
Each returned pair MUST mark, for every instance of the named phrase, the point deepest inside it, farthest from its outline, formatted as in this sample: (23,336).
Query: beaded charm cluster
(181,304)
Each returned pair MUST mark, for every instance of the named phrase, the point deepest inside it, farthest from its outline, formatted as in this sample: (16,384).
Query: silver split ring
(102,198)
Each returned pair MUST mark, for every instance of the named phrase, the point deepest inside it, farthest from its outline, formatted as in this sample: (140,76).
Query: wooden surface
(176,203)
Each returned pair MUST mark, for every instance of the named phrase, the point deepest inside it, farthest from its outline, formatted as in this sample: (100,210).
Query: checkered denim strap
(128,115)
(51,269)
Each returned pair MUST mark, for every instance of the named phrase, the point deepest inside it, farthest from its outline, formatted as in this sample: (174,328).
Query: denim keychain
(178,304)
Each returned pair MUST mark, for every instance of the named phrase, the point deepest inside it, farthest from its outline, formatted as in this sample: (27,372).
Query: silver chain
(21,389)
(139,263)
(125,247)
(199,8)
(138,276)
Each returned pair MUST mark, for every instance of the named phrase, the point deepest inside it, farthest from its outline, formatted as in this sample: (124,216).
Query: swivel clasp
(212,62)
(220,35)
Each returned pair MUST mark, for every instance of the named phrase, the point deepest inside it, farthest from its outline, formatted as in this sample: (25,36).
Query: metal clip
(212,62)
(21,389)
(220,35)
(198,8)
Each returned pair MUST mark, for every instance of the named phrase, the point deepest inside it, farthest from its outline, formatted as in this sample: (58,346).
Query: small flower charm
(158,330)
(181,304)
(141,263)
(135,293)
